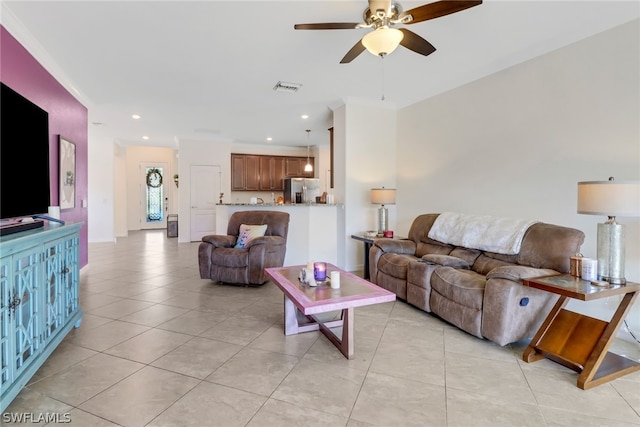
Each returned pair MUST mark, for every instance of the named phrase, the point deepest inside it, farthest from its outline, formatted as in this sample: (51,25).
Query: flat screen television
(24,157)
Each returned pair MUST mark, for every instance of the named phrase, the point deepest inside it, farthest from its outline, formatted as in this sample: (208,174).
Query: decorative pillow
(248,233)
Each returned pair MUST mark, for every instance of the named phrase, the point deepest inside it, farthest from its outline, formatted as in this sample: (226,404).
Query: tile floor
(160,347)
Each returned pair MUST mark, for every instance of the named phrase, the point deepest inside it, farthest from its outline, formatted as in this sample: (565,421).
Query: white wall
(364,135)
(119,218)
(101,190)
(517,142)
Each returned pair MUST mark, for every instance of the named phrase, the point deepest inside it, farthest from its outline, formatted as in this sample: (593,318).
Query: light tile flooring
(161,347)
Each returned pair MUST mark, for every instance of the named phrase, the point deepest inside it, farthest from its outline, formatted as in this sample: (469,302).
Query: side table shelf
(577,341)
(39,304)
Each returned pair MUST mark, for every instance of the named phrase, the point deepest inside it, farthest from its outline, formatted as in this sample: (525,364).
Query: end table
(577,341)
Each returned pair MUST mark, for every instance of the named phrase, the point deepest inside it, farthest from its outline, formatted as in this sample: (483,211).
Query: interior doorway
(204,182)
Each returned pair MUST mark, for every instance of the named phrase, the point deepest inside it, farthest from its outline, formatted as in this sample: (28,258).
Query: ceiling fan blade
(438,9)
(414,42)
(356,50)
(327,26)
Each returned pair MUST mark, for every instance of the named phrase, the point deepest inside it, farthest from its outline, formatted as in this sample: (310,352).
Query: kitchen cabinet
(294,167)
(39,282)
(272,173)
(251,172)
(245,172)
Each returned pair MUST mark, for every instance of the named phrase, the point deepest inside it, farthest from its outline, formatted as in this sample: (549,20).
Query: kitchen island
(313,230)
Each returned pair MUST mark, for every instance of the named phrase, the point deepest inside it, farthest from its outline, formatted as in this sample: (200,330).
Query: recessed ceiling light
(136,116)
(305,116)
(269,139)
(145,137)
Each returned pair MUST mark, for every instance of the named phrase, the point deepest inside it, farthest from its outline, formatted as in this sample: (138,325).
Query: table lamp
(383,196)
(610,198)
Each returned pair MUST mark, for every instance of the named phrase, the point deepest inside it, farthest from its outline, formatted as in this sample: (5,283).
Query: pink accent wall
(68,117)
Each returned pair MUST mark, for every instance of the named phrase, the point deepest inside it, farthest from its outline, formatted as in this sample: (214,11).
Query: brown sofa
(220,260)
(478,291)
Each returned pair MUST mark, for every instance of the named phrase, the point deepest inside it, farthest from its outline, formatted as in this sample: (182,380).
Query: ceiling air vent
(287,87)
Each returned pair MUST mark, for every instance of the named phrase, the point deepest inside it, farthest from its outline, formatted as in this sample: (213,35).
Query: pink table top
(354,291)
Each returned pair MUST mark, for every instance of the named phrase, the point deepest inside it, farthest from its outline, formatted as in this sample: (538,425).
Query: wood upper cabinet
(272,173)
(245,172)
(238,172)
(295,167)
(251,172)
(292,167)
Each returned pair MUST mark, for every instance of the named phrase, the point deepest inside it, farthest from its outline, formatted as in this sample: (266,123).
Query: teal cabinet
(39,281)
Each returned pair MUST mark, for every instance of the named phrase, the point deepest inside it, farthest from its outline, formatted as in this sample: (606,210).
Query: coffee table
(302,303)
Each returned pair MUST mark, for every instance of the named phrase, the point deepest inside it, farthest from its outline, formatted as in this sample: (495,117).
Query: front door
(154,199)
(205,193)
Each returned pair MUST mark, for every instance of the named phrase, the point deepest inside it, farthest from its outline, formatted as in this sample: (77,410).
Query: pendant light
(308,167)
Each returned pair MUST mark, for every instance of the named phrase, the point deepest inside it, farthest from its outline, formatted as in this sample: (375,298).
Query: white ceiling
(204,70)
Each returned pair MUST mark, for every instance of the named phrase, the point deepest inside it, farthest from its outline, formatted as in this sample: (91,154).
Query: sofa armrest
(398,246)
(516,273)
(511,311)
(267,240)
(219,241)
(446,261)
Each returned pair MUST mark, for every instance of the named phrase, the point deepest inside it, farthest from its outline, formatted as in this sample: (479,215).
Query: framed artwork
(67,169)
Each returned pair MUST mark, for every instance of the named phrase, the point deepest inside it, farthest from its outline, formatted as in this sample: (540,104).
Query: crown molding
(20,32)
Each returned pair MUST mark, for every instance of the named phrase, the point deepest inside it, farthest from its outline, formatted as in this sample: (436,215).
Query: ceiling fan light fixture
(382,41)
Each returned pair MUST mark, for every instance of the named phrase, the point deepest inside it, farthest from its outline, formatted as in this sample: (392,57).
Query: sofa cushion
(465,287)
(395,265)
(230,257)
(446,260)
(484,264)
(469,255)
(547,246)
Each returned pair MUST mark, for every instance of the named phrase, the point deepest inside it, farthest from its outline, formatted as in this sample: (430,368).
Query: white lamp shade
(308,167)
(610,198)
(383,40)
(383,196)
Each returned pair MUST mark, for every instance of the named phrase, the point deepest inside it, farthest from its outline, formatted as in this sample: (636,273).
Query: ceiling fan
(382,16)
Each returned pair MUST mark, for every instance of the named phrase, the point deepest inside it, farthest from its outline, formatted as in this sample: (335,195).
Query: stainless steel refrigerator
(301,190)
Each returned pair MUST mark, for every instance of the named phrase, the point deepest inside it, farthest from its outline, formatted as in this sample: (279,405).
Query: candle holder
(320,271)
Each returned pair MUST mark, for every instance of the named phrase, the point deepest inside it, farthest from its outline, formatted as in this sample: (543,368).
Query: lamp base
(611,253)
(383,215)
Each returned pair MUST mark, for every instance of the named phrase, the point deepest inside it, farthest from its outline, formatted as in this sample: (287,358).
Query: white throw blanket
(487,233)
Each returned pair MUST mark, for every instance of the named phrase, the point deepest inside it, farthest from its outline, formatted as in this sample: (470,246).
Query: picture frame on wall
(67,171)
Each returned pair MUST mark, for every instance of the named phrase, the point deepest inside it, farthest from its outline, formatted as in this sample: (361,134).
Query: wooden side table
(577,341)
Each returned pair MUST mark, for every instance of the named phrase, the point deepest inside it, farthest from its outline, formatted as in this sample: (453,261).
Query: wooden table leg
(603,366)
(346,343)
(367,248)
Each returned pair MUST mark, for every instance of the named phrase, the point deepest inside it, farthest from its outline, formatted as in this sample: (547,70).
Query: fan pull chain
(382,55)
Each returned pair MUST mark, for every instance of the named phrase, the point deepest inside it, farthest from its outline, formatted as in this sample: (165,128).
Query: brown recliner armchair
(221,261)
